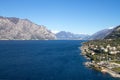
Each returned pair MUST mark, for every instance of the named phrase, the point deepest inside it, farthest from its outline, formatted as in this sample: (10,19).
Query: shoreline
(112,73)
(95,66)
(102,69)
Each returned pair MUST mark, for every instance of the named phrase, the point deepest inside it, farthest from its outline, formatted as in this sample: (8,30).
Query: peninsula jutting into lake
(104,54)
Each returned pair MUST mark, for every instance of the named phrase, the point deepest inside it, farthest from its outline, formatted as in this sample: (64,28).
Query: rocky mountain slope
(12,28)
(115,34)
(63,35)
(101,34)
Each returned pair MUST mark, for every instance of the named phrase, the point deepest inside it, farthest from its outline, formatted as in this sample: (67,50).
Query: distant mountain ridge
(115,34)
(100,34)
(12,28)
(107,34)
(63,35)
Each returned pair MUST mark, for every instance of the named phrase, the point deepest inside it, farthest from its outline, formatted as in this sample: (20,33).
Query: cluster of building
(102,49)
(104,56)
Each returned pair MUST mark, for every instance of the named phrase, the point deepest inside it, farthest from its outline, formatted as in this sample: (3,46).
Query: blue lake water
(45,60)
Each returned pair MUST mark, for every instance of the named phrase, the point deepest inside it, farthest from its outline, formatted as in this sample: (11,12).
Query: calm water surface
(45,60)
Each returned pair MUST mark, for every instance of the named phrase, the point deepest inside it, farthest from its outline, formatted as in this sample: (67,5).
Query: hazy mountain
(63,35)
(12,28)
(115,34)
(101,34)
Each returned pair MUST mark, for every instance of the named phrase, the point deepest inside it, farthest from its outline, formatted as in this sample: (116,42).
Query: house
(105,50)
(113,52)
(108,46)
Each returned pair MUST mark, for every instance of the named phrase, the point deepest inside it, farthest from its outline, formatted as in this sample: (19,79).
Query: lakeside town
(103,55)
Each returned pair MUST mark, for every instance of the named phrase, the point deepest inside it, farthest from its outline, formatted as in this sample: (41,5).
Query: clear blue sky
(77,16)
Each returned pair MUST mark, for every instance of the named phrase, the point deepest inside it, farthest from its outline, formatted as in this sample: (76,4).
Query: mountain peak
(65,35)
(111,33)
(12,28)
(100,34)
(114,34)
(13,19)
